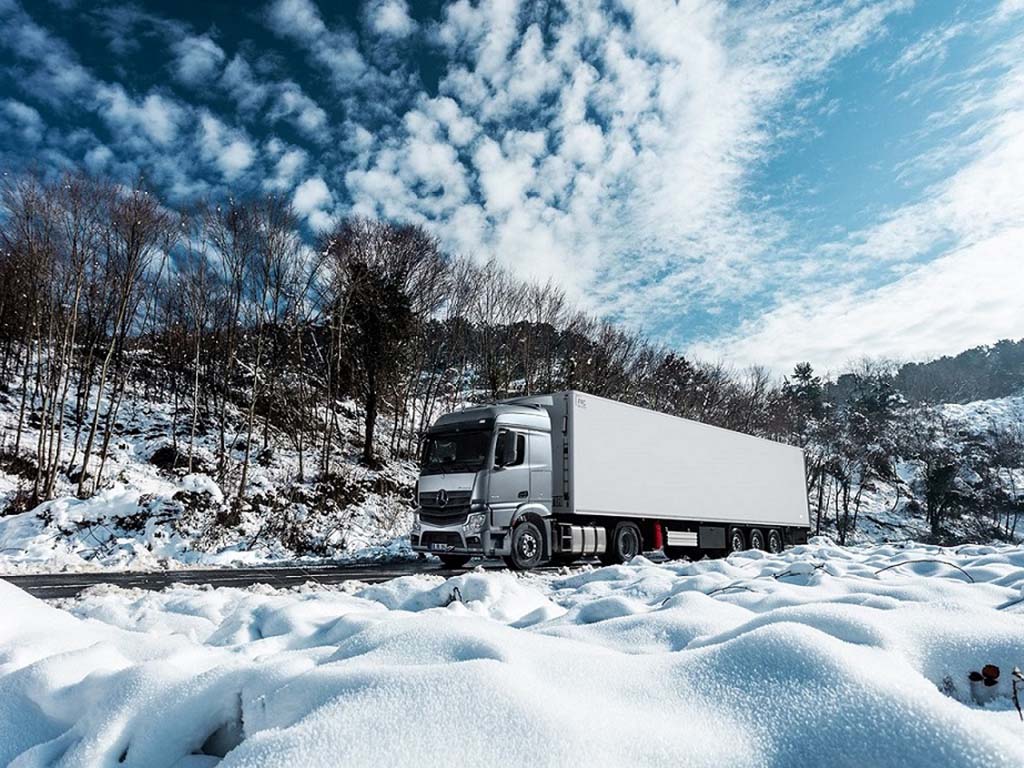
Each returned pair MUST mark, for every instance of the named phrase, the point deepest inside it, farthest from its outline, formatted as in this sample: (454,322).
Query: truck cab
(483,471)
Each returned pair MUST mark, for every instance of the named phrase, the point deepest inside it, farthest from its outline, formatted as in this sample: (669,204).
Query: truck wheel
(626,543)
(737,541)
(775,543)
(527,547)
(454,561)
(757,539)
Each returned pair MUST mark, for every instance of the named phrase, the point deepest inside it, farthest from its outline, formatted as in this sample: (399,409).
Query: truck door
(540,468)
(510,477)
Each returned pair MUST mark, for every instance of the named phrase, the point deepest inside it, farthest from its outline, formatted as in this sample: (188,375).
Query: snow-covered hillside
(821,656)
(152,513)
(891,513)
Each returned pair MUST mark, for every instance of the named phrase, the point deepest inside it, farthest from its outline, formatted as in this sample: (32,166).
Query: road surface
(54,585)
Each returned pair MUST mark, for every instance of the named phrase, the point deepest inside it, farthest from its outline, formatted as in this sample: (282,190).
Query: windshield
(455,452)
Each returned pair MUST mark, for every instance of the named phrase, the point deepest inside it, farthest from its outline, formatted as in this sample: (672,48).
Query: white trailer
(628,462)
(570,474)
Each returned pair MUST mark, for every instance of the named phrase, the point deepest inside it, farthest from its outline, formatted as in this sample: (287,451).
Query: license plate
(441,547)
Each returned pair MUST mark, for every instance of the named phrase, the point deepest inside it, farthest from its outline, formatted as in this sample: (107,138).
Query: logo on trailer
(442,498)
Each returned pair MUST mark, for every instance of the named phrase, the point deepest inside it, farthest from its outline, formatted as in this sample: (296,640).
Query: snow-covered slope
(822,656)
(888,513)
(151,513)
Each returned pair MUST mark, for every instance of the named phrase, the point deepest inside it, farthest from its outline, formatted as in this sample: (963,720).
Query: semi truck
(559,477)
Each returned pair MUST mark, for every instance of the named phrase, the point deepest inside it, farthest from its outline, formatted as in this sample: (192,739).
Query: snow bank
(820,656)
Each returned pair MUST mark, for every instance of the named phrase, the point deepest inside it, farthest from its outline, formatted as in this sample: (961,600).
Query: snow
(823,655)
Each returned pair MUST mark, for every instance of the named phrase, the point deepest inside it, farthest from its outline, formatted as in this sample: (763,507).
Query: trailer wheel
(626,543)
(527,547)
(757,539)
(737,541)
(775,543)
(454,561)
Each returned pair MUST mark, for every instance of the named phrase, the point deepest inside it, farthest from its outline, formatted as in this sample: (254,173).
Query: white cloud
(288,164)
(23,120)
(306,114)
(241,83)
(644,125)
(312,200)
(390,18)
(336,51)
(969,297)
(967,294)
(1009,8)
(98,158)
(197,59)
(228,149)
(156,116)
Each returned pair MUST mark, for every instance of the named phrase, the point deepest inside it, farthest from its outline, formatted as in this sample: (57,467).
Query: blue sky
(753,182)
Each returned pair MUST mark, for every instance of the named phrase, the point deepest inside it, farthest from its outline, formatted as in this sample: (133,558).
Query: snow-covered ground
(820,656)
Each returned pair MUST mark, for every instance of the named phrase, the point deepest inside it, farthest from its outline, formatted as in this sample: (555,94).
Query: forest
(253,328)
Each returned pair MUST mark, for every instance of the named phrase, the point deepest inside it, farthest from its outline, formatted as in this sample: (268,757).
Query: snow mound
(822,655)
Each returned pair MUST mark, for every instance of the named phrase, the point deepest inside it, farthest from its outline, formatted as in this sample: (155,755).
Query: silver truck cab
(484,470)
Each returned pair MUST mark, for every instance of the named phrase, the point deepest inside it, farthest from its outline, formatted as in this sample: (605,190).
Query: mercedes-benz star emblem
(442,498)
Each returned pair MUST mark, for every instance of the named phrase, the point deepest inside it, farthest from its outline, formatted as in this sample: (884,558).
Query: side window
(510,450)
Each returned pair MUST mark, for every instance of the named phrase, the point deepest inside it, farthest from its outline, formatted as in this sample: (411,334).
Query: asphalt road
(54,585)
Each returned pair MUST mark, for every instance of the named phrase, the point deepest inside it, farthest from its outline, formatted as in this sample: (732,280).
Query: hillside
(152,513)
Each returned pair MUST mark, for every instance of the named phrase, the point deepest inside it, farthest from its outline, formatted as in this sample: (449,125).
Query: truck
(558,477)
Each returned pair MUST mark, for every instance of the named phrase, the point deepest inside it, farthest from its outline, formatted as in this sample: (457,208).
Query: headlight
(475,522)
(416,523)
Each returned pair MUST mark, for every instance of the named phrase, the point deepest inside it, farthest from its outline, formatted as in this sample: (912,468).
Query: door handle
(524,494)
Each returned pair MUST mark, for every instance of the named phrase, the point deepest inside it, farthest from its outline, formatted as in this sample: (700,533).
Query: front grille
(444,517)
(455,499)
(434,537)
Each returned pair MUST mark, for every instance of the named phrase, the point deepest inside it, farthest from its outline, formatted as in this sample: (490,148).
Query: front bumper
(453,540)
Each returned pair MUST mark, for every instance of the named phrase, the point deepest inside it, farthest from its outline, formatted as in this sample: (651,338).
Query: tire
(737,542)
(527,547)
(625,544)
(757,539)
(775,541)
(454,561)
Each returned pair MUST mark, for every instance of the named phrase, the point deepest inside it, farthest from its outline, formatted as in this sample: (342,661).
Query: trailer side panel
(627,461)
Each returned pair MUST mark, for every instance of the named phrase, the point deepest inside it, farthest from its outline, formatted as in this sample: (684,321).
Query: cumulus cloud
(288,163)
(197,59)
(230,150)
(22,120)
(609,148)
(241,83)
(313,200)
(335,50)
(155,116)
(390,18)
(291,102)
